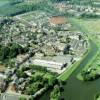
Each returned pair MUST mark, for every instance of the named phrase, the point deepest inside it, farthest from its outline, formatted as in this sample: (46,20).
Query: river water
(78,90)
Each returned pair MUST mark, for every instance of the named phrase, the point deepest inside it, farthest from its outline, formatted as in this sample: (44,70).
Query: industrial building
(49,64)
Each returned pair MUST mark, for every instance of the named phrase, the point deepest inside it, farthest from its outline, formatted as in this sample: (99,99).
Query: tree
(11,51)
(4,53)
(22,98)
(20,73)
(55,94)
(90,75)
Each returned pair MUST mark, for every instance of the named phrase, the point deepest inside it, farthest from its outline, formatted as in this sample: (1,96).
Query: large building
(49,64)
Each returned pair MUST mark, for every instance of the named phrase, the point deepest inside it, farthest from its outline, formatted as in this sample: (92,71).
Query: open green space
(16,7)
(3,2)
(88,25)
(30,15)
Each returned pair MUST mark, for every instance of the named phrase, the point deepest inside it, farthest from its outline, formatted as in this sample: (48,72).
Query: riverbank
(65,75)
(79,76)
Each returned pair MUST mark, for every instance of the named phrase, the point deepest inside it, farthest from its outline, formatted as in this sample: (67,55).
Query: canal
(78,90)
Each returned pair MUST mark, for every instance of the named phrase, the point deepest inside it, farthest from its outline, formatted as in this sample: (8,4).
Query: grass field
(90,25)
(3,2)
(30,15)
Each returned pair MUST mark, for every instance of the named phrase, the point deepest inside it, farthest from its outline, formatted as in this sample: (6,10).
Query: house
(74,44)
(2,85)
(3,76)
(28,73)
(39,55)
(60,46)
(48,50)
(20,57)
(9,97)
(66,59)
(74,37)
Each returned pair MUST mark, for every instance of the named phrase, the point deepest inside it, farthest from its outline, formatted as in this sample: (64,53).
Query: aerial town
(51,45)
(50,52)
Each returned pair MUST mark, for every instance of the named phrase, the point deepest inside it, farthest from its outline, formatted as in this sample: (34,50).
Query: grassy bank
(79,76)
(64,76)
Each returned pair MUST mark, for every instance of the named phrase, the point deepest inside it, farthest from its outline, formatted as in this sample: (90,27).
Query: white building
(48,64)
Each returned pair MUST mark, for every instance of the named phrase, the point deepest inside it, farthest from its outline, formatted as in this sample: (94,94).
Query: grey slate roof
(8,97)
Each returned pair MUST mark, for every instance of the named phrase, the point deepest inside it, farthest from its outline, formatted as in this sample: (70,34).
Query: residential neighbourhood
(49,49)
(48,45)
